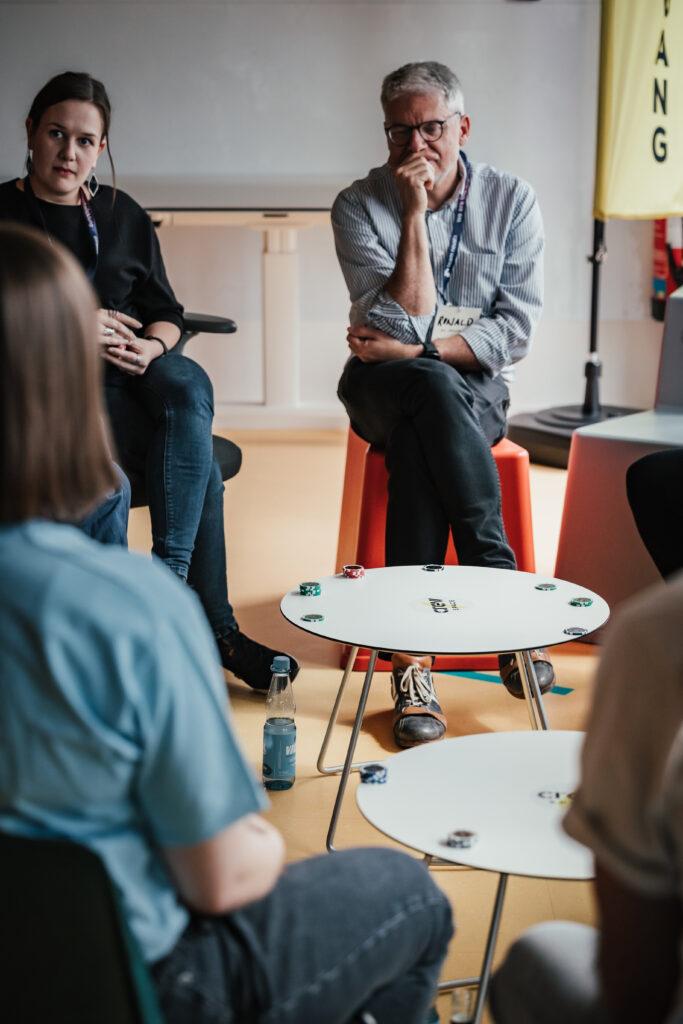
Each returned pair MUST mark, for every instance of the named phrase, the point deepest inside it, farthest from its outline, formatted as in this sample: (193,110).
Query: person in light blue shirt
(443,260)
(115,731)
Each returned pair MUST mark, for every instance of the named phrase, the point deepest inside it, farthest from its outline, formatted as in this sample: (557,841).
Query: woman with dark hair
(160,403)
(114,732)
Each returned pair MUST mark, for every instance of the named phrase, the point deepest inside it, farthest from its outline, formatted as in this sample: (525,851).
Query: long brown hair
(55,458)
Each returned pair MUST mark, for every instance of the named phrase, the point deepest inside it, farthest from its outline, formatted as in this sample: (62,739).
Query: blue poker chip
(461,839)
(373,773)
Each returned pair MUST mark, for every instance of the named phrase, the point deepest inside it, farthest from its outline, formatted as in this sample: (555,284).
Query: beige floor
(282,517)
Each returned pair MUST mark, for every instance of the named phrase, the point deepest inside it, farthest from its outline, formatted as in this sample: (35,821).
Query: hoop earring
(29,161)
(93,184)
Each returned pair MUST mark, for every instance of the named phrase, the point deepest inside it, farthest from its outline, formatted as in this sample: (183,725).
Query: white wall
(252,90)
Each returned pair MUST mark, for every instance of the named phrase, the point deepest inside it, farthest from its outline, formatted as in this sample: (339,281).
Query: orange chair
(364,512)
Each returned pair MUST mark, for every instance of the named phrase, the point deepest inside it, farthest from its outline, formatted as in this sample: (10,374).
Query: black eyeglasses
(430,131)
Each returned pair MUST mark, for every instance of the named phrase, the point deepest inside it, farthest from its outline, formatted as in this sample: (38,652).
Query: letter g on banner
(659,146)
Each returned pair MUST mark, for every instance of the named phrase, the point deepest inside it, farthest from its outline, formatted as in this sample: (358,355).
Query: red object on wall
(667,262)
(512,463)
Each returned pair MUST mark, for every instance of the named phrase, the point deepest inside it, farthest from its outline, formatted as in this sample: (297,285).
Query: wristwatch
(430,351)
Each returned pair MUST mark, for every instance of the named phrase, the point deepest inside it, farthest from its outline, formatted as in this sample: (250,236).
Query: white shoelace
(415,686)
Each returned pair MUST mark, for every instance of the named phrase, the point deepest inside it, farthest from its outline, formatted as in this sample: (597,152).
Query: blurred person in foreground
(115,731)
(629,810)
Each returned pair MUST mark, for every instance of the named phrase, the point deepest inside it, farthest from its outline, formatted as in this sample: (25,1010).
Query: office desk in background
(279,210)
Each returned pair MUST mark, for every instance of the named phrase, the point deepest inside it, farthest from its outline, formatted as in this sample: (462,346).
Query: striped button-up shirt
(499,267)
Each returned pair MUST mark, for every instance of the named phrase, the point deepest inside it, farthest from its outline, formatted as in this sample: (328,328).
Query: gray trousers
(549,976)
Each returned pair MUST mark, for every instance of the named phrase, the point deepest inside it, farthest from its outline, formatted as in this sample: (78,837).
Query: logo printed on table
(442,606)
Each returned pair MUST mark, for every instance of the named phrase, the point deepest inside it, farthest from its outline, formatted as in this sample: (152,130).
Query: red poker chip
(353,572)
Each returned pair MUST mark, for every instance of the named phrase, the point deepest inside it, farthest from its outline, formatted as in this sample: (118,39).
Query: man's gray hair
(424,76)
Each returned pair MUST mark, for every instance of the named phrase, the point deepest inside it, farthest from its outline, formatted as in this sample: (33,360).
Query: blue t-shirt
(114,727)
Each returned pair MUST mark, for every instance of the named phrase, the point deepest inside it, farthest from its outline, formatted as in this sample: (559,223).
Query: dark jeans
(654,485)
(162,428)
(108,523)
(362,931)
(436,426)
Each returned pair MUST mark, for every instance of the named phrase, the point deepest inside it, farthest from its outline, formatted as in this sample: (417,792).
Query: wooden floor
(281,520)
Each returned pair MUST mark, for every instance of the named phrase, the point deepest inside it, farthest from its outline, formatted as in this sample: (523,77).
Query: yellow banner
(639,166)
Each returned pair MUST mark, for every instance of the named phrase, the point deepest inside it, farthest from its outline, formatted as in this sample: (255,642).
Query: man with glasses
(444,264)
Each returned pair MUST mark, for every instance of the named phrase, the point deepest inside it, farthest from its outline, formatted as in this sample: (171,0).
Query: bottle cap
(280,664)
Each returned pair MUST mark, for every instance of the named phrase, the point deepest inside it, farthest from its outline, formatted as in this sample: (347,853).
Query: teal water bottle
(279,731)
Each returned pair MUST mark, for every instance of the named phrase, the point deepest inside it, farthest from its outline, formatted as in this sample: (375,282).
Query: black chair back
(67,954)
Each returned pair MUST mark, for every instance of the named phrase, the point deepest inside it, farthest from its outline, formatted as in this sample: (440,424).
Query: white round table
(509,789)
(441,610)
(452,610)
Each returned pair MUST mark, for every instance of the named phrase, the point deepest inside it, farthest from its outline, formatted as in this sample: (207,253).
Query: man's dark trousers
(436,426)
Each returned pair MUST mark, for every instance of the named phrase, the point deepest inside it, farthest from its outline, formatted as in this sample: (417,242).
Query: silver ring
(138,360)
(107,331)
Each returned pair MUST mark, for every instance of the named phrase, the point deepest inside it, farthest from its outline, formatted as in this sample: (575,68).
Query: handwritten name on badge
(452,319)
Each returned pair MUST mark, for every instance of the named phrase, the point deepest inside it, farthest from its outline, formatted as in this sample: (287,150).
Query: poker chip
(574,631)
(313,617)
(432,568)
(581,602)
(461,839)
(373,773)
(353,572)
(309,588)
(545,586)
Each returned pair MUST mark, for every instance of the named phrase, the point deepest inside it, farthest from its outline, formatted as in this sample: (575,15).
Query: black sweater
(130,275)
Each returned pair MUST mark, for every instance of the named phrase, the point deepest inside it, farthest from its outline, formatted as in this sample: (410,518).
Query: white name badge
(452,319)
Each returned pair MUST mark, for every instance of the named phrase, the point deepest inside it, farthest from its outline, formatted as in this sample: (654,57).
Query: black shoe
(509,672)
(249,660)
(417,715)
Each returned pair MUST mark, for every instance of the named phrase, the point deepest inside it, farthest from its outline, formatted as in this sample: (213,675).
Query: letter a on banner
(639,165)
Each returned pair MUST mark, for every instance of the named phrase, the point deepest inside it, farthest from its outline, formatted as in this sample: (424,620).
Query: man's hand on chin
(373,346)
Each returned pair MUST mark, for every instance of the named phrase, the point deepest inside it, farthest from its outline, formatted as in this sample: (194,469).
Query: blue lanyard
(458,225)
(34,205)
(93,232)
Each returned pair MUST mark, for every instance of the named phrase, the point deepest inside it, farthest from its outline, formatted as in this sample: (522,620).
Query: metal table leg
(484,979)
(490,949)
(532,691)
(348,761)
(336,768)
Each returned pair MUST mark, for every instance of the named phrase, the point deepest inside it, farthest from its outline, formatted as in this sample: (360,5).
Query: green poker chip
(309,588)
(575,631)
(313,617)
(545,586)
(581,602)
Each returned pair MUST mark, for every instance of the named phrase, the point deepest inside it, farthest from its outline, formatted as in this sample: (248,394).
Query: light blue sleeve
(194,780)
(504,336)
(367,266)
